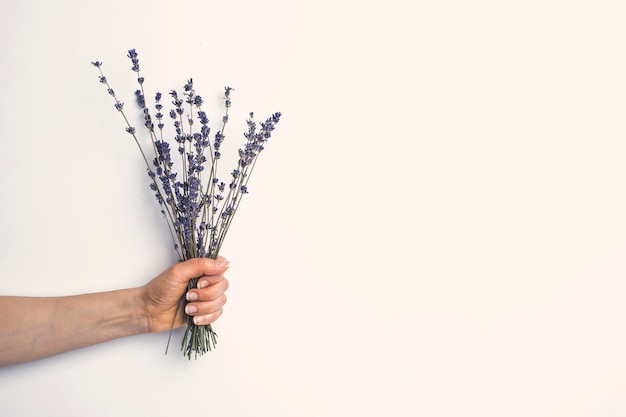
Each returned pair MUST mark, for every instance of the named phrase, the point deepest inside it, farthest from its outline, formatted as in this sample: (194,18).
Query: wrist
(128,317)
(142,311)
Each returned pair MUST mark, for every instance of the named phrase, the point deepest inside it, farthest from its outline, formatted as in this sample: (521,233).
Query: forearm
(33,328)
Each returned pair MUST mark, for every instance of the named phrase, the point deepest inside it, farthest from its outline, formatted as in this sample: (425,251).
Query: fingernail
(192,296)
(190,309)
(203,284)
(222,263)
(198,319)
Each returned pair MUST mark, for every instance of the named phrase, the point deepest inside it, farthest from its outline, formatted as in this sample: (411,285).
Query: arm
(36,327)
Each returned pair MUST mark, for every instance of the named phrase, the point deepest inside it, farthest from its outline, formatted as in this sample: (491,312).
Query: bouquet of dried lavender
(197,205)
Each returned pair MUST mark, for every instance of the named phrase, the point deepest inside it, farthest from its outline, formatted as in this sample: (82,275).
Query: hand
(162,297)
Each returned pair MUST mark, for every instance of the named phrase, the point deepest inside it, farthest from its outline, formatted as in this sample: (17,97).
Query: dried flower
(197,206)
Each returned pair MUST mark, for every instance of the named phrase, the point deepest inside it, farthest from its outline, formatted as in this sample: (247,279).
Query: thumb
(197,267)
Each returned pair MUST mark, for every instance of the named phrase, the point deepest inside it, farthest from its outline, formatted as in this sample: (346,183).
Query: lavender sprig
(198,207)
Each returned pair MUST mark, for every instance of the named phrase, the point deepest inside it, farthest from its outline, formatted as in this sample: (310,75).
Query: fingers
(193,268)
(205,304)
(209,293)
(208,312)
(207,318)
(209,280)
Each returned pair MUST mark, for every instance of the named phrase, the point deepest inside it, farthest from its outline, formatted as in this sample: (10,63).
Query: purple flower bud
(141,101)
(132,54)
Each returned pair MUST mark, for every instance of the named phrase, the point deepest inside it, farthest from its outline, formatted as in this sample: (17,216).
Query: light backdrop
(436,228)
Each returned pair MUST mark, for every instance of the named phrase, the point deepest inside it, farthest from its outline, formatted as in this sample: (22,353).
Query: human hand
(161,297)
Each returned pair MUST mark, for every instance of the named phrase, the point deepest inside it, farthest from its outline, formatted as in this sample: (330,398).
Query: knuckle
(176,269)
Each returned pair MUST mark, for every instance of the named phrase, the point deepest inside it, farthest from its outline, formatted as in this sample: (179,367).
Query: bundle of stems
(197,205)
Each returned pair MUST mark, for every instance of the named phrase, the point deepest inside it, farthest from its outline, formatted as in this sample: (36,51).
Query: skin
(37,327)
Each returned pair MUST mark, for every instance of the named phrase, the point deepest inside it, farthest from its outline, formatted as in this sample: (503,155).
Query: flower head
(132,54)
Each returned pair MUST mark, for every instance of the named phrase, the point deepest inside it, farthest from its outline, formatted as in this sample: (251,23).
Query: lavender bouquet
(197,205)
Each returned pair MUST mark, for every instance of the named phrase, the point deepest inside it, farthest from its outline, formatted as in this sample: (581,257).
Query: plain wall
(436,228)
